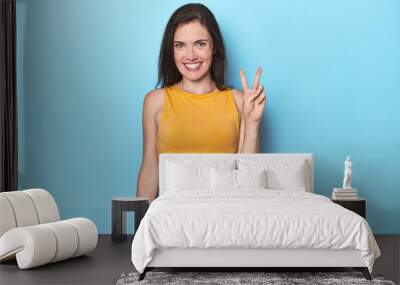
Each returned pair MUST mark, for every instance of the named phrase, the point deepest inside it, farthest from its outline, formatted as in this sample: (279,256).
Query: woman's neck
(205,85)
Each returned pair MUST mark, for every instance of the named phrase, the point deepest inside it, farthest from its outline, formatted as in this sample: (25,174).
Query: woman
(194,111)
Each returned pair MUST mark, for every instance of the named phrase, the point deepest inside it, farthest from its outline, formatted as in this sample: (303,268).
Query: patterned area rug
(270,278)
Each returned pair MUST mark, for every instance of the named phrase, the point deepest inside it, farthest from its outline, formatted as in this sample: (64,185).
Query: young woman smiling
(194,111)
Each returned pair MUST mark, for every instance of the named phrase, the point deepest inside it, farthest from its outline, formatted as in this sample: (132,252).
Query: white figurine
(347,174)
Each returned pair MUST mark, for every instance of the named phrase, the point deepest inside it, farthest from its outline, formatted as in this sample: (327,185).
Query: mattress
(252,219)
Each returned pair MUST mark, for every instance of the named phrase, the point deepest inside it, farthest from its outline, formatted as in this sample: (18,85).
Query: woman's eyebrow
(201,40)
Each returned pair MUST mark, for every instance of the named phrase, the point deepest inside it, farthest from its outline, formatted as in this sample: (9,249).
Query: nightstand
(120,205)
(358,206)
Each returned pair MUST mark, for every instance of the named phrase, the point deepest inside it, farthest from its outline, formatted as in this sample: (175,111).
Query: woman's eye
(179,45)
(200,44)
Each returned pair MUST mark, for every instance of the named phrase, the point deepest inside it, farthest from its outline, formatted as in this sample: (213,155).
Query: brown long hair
(168,73)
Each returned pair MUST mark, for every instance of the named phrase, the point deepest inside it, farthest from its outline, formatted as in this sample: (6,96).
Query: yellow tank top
(198,123)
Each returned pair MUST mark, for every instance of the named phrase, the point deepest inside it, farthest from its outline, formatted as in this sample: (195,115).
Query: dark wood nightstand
(120,205)
(358,206)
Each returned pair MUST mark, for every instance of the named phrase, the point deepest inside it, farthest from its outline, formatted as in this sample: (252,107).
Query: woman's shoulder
(154,99)
(154,94)
(238,95)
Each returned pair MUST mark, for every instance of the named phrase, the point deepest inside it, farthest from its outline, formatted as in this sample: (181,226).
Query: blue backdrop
(331,71)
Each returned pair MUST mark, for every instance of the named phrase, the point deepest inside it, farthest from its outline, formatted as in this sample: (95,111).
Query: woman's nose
(191,53)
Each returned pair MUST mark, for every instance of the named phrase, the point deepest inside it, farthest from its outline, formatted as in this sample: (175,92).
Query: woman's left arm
(253,108)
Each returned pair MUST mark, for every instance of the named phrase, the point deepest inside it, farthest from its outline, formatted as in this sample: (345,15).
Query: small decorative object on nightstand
(120,205)
(358,206)
(347,173)
(347,192)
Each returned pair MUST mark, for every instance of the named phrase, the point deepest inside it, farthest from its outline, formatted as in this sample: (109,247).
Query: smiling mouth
(192,66)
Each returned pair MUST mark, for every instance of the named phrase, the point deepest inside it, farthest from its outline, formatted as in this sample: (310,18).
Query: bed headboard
(269,157)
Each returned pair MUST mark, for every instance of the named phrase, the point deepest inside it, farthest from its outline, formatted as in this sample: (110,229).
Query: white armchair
(31,230)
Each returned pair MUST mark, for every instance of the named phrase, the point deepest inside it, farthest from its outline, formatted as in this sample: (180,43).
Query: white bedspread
(251,218)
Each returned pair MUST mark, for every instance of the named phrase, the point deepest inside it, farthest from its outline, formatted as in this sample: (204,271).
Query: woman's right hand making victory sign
(254,99)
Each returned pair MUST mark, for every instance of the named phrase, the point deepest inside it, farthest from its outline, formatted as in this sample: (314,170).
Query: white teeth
(192,66)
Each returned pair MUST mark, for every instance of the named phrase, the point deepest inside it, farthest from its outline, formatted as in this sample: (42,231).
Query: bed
(247,210)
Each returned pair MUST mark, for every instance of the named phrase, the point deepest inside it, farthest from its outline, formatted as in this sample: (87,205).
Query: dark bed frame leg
(364,271)
(143,274)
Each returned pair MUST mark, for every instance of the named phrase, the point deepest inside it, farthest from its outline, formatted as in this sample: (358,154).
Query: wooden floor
(111,259)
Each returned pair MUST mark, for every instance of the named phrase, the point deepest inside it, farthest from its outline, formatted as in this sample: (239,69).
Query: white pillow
(251,178)
(184,175)
(237,179)
(288,179)
(281,174)
(223,179)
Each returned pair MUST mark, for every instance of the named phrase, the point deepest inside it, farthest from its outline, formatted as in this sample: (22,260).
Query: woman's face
(193,48)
